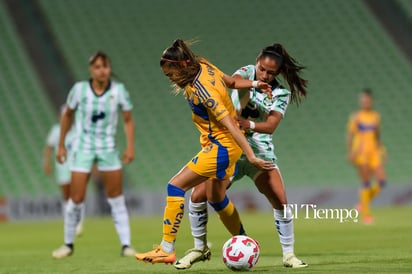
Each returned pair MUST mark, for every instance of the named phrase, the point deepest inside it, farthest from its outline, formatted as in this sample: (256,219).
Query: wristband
(255,84)
(252,125)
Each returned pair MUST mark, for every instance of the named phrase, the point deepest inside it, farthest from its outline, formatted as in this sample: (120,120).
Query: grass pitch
(328,246)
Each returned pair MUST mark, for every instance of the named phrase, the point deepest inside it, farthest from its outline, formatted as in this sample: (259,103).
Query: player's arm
(66,122)
(128,155)
(349,139)
(47,167)
(244,144)
(268,127)
(238,82)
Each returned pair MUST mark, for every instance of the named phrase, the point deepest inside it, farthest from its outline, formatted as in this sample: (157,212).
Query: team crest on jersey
(268,101)
(210,103)
(207,148)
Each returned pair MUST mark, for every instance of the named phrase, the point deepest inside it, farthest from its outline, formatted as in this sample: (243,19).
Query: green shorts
(245,168)
(82,161)
(62,173)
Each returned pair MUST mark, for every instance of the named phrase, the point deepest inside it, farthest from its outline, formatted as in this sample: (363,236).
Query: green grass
(326,245)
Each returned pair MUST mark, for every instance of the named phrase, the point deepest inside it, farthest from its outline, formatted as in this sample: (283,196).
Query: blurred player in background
(96,104)
(61,171)
(366,152)
(259,115)
(205,89)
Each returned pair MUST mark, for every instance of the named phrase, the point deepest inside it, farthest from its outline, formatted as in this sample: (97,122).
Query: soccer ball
(240,253)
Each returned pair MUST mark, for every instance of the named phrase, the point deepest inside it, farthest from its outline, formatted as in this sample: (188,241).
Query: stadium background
(346,45)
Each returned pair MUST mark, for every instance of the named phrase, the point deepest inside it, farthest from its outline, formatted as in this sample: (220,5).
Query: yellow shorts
(371,158)
(216,160)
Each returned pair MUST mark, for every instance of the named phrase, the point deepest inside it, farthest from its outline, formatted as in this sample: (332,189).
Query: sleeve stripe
(203,93)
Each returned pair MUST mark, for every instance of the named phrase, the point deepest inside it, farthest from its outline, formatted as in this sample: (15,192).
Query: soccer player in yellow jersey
(205,89)
(366,152)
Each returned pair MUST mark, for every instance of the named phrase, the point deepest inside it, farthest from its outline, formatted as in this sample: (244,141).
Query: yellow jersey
(210,102)
(364,126)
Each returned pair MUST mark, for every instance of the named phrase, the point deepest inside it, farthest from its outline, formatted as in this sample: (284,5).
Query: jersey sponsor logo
(178,220)
(98,116)
(210,71)
(250,111)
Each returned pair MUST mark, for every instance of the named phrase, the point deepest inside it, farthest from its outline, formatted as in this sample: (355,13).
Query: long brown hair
(179,56)
(289,68)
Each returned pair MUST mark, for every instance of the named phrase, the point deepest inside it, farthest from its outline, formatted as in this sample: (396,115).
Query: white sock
(167,246)
(198,222)
(120,218)
(71,219)
(64,205)
(82,213)
(284,226)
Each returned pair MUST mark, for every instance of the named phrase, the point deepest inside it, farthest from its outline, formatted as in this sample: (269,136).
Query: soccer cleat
(290,260)
(127,251)
(62,252)
(157,255)
(193,256)
(368,220)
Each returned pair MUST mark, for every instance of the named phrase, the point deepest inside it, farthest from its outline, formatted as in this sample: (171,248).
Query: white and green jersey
(97,115)
(254,105)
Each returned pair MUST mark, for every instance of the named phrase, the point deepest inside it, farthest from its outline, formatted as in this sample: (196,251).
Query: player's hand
(351,157)
(61,155)
(265,87)
(262,164)
(243,123)
(128,156)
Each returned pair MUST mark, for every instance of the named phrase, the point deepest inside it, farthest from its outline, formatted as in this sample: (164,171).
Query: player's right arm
(66,121)
(65,124)
(239,83)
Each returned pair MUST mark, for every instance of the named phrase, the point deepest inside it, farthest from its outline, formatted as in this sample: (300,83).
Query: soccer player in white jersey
(259,115)
(61,171)
(95,105)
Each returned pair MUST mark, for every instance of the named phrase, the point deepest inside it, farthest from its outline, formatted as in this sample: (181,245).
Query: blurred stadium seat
(25,117)
(343,46)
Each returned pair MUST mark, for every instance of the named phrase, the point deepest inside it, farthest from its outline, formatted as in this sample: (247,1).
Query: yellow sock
(229,216)
(365,200)
(374,190)
(173,216)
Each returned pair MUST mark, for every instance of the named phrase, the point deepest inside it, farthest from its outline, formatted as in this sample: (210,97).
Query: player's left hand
(262,164)
(128,156)
(265,87)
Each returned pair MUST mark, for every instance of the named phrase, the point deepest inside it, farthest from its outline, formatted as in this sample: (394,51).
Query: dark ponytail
(289,68)
(180,56)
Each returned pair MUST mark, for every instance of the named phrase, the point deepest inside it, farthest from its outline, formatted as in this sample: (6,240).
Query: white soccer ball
(240,253)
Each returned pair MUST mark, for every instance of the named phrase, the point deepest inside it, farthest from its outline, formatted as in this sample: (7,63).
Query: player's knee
(77,199)
(198,197)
